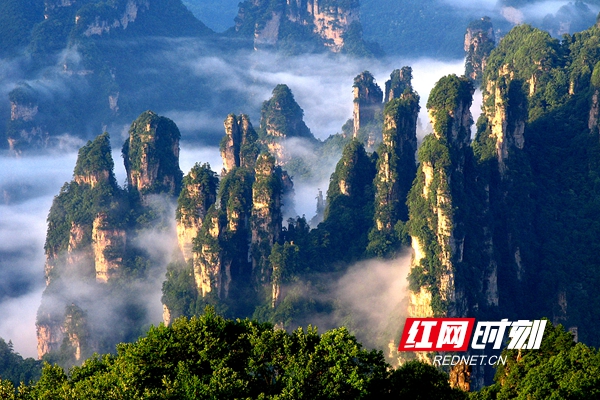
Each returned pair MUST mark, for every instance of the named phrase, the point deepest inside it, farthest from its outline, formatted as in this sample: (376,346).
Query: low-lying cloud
(321,84)
(28,186)
(369,298)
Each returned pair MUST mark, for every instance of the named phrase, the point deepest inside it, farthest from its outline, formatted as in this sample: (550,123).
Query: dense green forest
(212,357)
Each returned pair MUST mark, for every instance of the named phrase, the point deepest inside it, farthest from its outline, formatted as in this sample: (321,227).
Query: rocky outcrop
(25,112)
(151,155)
(505,106)
(93,178)
(113,102)
(69,329)
(198,194)
(94,163)
(76,331)
(24,128)
(268,35)
(479,42)
(108,244)
(281,119)
(85,244)
(325,22)
(49,337)
(332,21)
(396,166)
(266,217)
(239,147)
(118,17)
(78,251)
(594,112)
(211,275)
(399,82)
(367,100)
(221,254)
(460,377)
(440,179)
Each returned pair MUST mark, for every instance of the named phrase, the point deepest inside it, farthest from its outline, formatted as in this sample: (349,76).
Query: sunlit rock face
(396,167)
(151,155)
(479,42)
(239,147)
(325,23)
(198,194)
(368,98)
(440,175)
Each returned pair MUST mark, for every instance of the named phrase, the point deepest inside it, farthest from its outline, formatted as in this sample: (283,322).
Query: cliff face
(322,22)
(198,194)
(98,22)
(396,168)
(348,216)
(76,233)
(332,21)
(24,129)
(239,147)
(266,217)
(221,249)
(367,101)
(85,242)
(211,276)
(595,104)
(505,109)
(434,199)
(281,119)
(231,233)
(151,155)
(400,81)
(49,337)
(108,244)
(221,253)
(479,42)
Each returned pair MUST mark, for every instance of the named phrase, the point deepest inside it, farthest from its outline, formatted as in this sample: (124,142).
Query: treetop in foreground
(212,357)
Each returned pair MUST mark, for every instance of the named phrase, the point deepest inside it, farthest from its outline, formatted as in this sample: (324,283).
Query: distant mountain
(218,15)
(78,67)
(435,28)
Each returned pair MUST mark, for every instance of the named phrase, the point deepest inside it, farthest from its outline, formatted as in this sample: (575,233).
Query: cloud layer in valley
(322,85)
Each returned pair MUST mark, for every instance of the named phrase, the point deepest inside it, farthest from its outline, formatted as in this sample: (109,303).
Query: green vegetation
(367,98)
(211,357)
(349,211)
(17,18)
(151,155)
(95,159)
(511,222)
(445,97)
(282,117)
(396,168)
(16,369)
(540,206)
(94,191)
(199,192)
(266,219)
(481,44)
(179,291)
(414,27)
(560,369)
